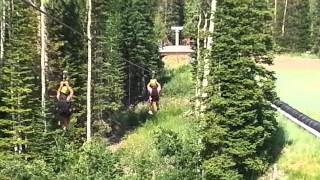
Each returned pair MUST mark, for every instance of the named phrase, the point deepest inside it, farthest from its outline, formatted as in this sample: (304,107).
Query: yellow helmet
(153,83)
(65,90)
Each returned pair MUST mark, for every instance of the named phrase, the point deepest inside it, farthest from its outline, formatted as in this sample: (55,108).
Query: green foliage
(181,84)
(19,80)
(315,26)
(94,161)
(91,161)
(297,26)
(139,46)
(167,142)
(239,121)
(182,157)
(66,51)
(193,10)
(172,14)
(19,168)
(108,73)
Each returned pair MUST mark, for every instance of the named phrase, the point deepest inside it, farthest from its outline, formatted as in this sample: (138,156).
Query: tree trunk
(205,28)
(3,29)
(275,11)
(89,72)
(129,85)
(211,26)
(284,18)
(44,58)
(198,85)
(206,67)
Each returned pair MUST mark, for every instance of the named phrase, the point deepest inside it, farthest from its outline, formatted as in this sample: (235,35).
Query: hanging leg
(66,121)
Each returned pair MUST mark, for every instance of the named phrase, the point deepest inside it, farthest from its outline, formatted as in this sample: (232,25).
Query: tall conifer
(239,121)
(20,91)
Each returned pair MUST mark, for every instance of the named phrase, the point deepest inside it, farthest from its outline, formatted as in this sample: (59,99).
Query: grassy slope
(300,158)
(296,88)
(175,103)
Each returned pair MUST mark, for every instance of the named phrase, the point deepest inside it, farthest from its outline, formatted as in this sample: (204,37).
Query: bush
(181,84)
(19,168)
(181,159)
(94,161)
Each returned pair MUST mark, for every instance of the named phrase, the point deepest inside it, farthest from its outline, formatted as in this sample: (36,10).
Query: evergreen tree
(20,91)
(139,46)
(315,26)
(107,59)
(172,14)
(239,121)
(293,31)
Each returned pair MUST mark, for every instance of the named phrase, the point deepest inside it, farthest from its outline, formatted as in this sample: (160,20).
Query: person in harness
(64,95)
(154,89)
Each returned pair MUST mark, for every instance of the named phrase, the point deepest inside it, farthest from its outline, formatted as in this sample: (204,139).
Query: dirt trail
(295,63)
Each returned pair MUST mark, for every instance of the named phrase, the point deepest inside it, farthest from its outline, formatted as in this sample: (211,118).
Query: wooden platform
(176,56)
(175,50)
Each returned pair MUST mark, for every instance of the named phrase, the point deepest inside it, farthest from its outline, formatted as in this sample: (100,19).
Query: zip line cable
(28,2)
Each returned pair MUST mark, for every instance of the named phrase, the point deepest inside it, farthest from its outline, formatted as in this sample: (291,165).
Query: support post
(89,72)
(177,30)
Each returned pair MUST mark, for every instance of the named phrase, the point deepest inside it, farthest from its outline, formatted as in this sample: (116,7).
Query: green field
(300,89)
(300,158)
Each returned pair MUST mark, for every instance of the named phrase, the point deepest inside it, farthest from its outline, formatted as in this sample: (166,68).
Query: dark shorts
(63,106)
(154,95)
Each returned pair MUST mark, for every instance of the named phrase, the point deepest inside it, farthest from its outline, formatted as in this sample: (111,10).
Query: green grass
(175,105)
(300,89)
(300,158)
(171,116)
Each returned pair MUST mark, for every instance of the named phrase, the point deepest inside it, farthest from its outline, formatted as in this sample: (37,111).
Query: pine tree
(19,76)
(172,14)
(107,74)
(293,26)
(239,121)
(315,26)
(139,46)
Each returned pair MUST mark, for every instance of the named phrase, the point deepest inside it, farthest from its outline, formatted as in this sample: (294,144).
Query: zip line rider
(64,95)
(154,89)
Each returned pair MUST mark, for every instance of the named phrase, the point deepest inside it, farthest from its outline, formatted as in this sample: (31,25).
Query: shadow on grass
(126,122)
(174,82)
(278,142)
(275,146)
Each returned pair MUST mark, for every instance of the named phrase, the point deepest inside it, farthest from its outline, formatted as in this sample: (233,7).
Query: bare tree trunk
(205,28)
(3,29)
(198,85)
(129,85)
(89,72)
(211,26)
(44,59)
(275,11)
(206,67)
(284,18)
